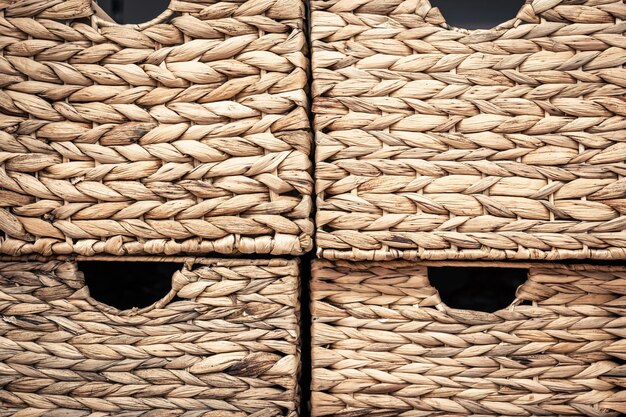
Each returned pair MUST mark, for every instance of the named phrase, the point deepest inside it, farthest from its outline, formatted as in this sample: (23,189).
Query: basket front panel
(184,135)
(442,143)
(384,344)
(228,346)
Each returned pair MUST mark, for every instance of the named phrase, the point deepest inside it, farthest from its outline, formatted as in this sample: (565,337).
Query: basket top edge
(320,264)
(193,260)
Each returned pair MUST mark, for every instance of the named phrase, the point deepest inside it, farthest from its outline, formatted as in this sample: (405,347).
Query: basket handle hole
(477,14)
(475,288)
(126,285)
(133,11)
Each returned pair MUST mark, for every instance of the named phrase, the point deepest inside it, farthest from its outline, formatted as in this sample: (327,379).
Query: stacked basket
(185,135)
(441,144)
(188,136)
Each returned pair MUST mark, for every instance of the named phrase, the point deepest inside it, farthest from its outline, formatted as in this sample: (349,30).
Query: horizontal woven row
(385,344)
(440,143)
(223,342)
(187,134)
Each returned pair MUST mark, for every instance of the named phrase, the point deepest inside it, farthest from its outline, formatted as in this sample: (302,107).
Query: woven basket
(442,143)
(228,347)
(384,344)
(186,134)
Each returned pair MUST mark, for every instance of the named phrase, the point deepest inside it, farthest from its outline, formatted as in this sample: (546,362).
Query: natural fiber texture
(187,134)
(440,143)
(229,347)
(384,344)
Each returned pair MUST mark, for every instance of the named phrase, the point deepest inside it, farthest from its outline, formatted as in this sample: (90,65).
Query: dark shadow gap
(305,268)
(478,289)
(477,14)
(305,335)
(125,285)
(133,11)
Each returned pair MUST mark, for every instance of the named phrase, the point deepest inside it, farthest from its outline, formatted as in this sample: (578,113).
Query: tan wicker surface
(384,344)
(229,347)
(440,143)
(187,134)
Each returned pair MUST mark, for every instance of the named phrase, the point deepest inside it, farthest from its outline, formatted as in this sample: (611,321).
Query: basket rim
(189,260)
(319,264)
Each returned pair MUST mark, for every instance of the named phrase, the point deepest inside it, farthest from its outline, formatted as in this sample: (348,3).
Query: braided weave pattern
(229,347)
(188,135)
(442,143)
(385,345)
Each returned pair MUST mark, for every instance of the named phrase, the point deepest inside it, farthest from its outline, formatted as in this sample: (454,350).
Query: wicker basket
(228,347)
(186,134)
(442,143)
(384,344)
